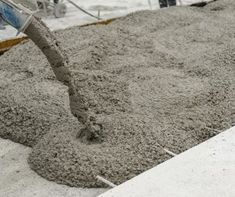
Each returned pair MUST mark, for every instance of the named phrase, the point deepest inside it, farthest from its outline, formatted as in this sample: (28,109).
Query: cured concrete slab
(206,170)
(18,180)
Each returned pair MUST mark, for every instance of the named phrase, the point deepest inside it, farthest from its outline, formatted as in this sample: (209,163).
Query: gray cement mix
(149,80)
(57,58)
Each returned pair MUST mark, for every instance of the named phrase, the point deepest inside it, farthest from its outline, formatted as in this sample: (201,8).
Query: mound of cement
(149,80)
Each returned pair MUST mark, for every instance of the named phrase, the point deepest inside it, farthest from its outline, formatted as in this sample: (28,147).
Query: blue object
(11,16)
(2,27)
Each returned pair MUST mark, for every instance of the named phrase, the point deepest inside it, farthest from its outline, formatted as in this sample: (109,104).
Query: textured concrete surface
(206,170)
(18,180)
(142,85)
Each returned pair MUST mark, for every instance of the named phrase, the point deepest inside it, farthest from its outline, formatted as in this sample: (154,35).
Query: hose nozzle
(15,15)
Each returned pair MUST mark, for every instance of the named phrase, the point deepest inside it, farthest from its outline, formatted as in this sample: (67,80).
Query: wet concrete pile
(149,80)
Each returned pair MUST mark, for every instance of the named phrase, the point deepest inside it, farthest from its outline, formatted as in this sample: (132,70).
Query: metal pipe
(86,12)
(106,181)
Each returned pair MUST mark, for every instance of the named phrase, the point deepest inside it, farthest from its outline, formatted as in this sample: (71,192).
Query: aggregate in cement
(150,80)
(49,45)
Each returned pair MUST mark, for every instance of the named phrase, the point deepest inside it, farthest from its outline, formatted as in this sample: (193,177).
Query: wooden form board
(7,44)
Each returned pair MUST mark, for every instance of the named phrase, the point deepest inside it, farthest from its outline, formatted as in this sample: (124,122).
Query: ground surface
(151,80)
(108,9)
(210,174)
(18,180)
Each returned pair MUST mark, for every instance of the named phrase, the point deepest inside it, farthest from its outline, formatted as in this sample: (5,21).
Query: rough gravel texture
(151,80)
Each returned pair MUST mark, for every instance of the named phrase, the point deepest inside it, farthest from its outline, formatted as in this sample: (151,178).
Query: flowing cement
(150,81)
(58,60)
